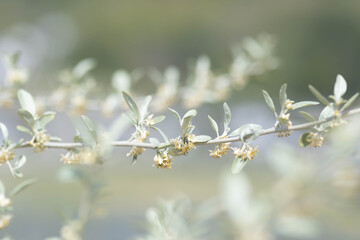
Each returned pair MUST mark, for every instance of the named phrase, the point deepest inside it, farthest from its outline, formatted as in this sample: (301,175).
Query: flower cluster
(162,160)
(246,152)
(315,139)
(4,218)
(38,140)
(219,150)
(139,136)
(6,155)
(70,158)
(183,145)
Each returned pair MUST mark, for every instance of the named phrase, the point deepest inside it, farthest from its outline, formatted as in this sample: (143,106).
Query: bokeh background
(316,40)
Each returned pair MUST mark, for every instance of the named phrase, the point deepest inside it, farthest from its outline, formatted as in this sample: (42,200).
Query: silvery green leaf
(43,121)
(214,125)
(83,67)
(350,102)
(238,165)
(26,101)
(134,159)
(227,113)
(145,107)
(186,120)
(88,122)
(340,87)
(132,105)
(24,129)
(327,112)
(282,95)
(130,118)
(87,135)
(176,115)
(154,141)
(2,188)
(245,130)
(269,101)
(307,116)
(303,140)
(161,132)
(4,132)
(304,104)
(26,117)
(202,138)
(158,119)
(20,162)
(21,186)
(319,96)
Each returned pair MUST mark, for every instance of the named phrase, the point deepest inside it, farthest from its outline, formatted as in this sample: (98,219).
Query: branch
(64,145)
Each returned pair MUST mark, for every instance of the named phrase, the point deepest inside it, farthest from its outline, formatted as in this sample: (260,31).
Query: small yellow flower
(71,158)
(135,151)
(245,152)
(183,145)
(289,105)
(88,156)
(5,220)
(162,160)
(38,141)
(315,140)
(220,150)
(6,155)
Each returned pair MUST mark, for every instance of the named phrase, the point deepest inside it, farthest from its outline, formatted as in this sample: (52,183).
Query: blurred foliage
(317,39)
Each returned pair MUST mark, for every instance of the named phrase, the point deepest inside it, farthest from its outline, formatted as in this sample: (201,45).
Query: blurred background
(315,41)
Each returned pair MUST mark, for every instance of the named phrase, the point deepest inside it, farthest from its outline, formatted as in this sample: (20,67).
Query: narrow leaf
(176,115)
(319,96)
(145,107)
(20,187)
(202,138)
(20,162)
(269,101)
(27,117)
(158,119)
(350,102)
(132,105)
(307,116)
(238,165)
(214,125)
(43,121)
(304,104)
(326,113)
(161,133)
(282,95)
(4,132)
(23,129)
(227,113)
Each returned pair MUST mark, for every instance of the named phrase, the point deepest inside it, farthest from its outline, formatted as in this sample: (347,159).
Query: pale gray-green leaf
(327,112)
(144,108)
(214,125)
(319,96)
(26,117)
(340,87)
(161,133)
(269,101)
(21,186)
(157,119)
(4,132)
(132,105)
(238,165)
(350,102)
(307,116)
(20,162)
(24,129)
(176,115)
(43,121)
(227,113)
(26,101)
(304,104)
(282,95)
(245,130)
(202,138)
